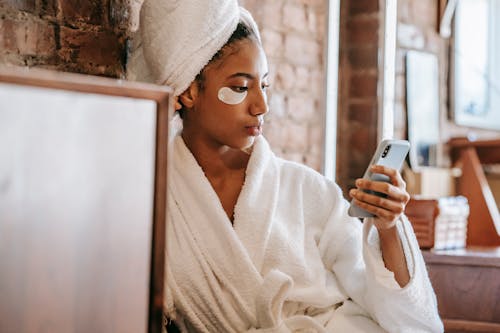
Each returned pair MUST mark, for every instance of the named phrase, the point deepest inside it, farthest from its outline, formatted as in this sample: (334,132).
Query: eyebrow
(247,75)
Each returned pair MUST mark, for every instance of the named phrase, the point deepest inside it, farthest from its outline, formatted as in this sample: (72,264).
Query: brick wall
(67,35)
(91,37)
(359,73)
(293,36)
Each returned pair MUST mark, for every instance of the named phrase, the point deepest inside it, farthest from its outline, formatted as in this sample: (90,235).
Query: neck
(216,160)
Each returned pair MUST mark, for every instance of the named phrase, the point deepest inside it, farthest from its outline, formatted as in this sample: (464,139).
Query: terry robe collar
(225,271)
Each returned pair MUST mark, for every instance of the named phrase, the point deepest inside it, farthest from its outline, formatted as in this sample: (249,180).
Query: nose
(259,104)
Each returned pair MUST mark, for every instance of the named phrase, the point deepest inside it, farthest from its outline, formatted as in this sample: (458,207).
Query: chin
(244,144)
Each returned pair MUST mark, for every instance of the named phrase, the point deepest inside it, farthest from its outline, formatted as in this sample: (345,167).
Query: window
(476,61)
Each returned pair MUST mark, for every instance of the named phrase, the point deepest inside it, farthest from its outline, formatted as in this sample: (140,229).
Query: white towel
(177,38)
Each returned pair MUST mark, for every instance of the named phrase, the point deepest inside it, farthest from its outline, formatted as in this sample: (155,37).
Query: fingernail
(359,182)
(353,192)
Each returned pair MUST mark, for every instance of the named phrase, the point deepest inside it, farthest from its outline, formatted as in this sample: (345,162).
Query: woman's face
(229,109)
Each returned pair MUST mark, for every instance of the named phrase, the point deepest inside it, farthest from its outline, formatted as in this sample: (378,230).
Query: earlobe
(177,103)
(188,97)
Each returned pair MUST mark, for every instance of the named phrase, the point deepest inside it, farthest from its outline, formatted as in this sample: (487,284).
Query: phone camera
(386,151)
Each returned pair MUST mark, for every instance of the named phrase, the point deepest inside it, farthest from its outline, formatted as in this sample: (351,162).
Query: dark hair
(243,31)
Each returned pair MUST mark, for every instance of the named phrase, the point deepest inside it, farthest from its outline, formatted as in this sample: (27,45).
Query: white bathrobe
(294,261)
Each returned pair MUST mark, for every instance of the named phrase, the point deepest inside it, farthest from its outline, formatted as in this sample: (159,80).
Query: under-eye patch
(228,96)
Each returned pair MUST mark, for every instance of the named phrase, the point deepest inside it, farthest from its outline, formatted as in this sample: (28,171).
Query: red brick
(294,17)
(293,156)
(303,78)
(277,105)
(363,6)
(272,75)
(362,142)
(317,82)
(271,13)
(9,35)
(31,37)
(101,47)
(356,170)
(364,113)
(314,157)
(272,41)
(314,160)
(363,57)
(251,5)
(285,77)
(363,31)
(22,5)
(122,14)
(87,11)
(296,137)
(48,8)
(302,51)
(363,86)
(2,36)
(321,19)
(301,108)
(275,133)
(92,52)
(314,3)
(312,22)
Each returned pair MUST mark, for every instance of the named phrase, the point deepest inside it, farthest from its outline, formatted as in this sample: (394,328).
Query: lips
(254,130)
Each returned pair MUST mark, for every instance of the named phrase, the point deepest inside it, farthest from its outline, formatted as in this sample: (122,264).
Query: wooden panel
(82,204)
(488,150)
(467,287)
(465,326)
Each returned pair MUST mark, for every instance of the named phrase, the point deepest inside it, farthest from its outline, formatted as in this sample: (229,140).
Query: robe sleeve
(351,250)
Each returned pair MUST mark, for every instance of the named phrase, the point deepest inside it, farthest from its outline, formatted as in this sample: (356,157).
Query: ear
(177,104)
(189,96)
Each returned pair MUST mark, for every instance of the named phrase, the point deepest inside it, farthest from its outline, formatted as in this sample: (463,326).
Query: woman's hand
(386,210)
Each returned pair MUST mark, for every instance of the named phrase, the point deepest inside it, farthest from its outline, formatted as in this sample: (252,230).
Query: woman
(256,243)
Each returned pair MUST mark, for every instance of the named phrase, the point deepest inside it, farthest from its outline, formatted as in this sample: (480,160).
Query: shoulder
(309,182)
(298,178)
(303,172)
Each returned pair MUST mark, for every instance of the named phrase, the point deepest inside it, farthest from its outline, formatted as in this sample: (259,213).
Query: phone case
(390,153)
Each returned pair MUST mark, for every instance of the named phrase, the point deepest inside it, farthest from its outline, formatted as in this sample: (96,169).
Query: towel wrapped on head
(178,38)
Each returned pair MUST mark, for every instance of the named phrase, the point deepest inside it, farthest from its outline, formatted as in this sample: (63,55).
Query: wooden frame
(484,220)
(161,96)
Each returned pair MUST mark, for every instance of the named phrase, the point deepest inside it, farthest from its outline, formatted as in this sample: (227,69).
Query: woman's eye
(239,89)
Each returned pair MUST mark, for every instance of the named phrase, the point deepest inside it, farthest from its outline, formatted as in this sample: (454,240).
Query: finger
(382,187)
(395,207)
(381,213)
(393,174)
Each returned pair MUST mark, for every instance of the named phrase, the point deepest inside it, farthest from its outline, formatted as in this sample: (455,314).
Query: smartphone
(389,153)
